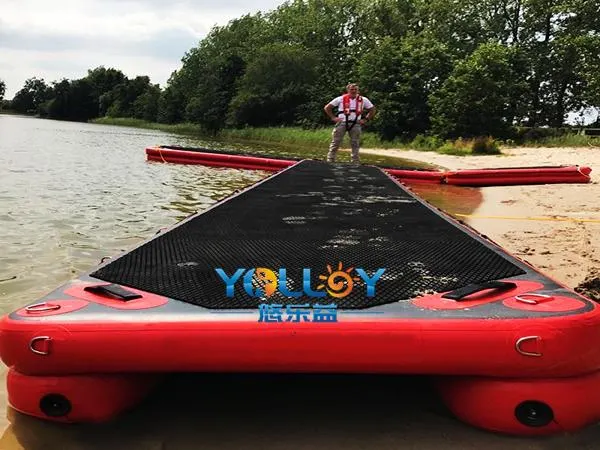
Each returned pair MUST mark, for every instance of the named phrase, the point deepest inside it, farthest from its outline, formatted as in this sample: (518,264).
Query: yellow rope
(160,153)
(551,219)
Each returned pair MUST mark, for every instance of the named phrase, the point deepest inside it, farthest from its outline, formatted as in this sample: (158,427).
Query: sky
(64,38)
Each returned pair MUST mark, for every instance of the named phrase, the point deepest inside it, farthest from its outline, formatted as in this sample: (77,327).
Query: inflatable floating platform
(319,268)
(475,177)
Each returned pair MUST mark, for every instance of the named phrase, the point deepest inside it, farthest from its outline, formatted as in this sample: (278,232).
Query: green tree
(84,105)
(145,106)
(2,92)
(172,102)
(459,25)
(214,92)
(571,78)
(400,75)
(34,93)
(102,81)
(124,95)
(480,97)
(203,87)
(58,106)
(337,32)
(561,42)
(73,100)
(276,83)
(392,18)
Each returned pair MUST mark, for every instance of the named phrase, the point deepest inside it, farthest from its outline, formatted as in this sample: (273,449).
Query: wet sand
(358,412)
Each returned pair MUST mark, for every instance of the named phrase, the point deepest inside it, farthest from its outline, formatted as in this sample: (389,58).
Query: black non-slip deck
(312,215)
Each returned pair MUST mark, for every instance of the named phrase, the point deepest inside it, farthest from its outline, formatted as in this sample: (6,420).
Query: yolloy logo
(264,282)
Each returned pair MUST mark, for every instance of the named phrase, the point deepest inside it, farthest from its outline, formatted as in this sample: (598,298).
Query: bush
(485,146)
(426,143)
(458,147)
(478,146)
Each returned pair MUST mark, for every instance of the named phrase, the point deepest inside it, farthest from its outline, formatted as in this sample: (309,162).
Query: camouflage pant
(337,136)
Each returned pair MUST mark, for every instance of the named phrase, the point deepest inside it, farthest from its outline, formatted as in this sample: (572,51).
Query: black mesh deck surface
(310,216)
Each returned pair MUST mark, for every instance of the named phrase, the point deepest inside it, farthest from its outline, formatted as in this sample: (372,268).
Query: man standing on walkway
(349,118)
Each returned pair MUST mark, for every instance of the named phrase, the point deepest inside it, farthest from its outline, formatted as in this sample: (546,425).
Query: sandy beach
(554,227)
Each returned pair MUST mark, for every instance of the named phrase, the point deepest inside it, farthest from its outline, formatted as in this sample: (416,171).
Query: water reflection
(451,199)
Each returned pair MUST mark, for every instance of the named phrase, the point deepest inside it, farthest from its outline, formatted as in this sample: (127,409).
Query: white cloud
(65,38)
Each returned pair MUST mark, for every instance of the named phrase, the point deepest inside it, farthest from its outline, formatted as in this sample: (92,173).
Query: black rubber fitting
(534,414)
(55,405)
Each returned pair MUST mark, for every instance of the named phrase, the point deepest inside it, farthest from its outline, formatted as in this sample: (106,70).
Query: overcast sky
(55,39)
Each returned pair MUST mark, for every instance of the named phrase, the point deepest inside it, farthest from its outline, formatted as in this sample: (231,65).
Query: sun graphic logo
(338,283)
(266,280)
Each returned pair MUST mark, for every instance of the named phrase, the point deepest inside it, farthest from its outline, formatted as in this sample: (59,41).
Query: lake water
(71,193)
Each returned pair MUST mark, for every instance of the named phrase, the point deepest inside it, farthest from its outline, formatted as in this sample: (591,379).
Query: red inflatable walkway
(478,177)
(323,268)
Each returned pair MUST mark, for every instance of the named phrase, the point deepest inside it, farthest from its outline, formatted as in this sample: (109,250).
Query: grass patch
(301,137)
(569,140)
(305,141)
(426,143)
(178,128)
(288,135)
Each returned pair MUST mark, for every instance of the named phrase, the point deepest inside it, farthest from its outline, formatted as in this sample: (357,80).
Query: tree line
(450,69)
(2,92)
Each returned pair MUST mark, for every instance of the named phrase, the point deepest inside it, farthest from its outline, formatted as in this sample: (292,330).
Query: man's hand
(328,107)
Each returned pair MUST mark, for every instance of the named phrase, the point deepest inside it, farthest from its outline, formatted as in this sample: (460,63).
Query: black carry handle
(460,293)
(113,290)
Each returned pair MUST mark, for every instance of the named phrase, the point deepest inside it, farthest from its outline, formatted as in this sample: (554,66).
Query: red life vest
(346,105)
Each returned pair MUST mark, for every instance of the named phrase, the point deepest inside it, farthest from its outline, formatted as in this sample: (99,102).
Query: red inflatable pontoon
(518,175)
(416,175)
(318,268)
(214,159)
(474,177)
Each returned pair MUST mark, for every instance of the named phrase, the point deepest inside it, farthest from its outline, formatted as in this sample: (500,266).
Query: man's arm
(328,107)
(370,114)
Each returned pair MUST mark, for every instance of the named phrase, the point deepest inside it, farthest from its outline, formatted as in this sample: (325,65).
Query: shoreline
(555,228)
